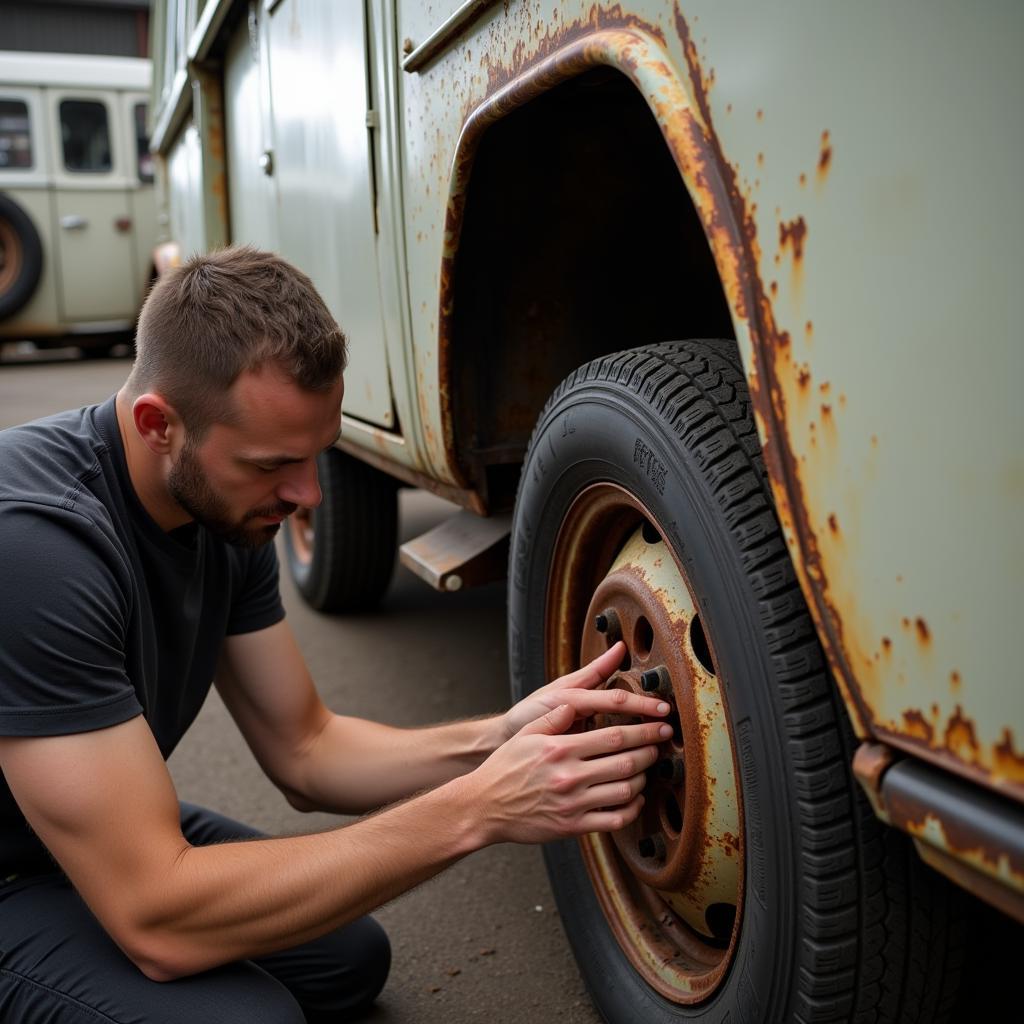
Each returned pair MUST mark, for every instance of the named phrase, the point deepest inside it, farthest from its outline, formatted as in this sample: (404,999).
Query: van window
(144,162)
(86,135)
(15,134)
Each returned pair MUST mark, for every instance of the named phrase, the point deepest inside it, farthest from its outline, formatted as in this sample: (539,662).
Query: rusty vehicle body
(492,194)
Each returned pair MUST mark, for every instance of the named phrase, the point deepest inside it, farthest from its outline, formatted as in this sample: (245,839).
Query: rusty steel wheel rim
(671,884)
(10,256)
(302,534)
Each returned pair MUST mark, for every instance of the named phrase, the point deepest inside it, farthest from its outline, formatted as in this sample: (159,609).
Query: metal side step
(466,550)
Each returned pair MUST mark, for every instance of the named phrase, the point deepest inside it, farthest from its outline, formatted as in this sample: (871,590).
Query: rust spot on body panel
(793,234)
(918,726)
(1009,763)
(960,738)
(824,157)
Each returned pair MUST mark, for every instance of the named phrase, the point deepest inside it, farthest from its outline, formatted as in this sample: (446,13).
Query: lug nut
(671,770)
(657,680)
(652,846)
(608,623)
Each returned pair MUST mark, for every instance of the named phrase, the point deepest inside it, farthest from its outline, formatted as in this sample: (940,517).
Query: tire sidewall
(600,431)
(308,577)
(23,287)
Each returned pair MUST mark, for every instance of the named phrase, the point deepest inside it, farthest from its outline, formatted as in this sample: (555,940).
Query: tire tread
(878,936)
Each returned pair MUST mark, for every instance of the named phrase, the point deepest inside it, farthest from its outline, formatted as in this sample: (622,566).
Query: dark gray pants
(58,966)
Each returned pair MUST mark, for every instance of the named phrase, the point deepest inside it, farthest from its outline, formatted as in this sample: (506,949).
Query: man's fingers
(613,738)
(614,794)
(615,769)
(555,721)
(611,821)
(597,671)
(615,702)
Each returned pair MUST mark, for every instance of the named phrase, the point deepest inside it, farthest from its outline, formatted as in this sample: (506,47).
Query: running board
(972,835)
(466,550)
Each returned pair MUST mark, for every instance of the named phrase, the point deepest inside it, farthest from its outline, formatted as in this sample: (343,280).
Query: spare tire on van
(21,257)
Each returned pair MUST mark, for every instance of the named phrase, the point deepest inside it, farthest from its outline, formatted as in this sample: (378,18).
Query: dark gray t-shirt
(103,615)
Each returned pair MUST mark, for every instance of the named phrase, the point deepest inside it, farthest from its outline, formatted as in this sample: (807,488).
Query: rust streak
(793,233)
(824,157)
(742,257)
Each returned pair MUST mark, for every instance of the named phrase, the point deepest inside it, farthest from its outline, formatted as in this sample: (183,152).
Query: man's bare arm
(105,807)
(324,761)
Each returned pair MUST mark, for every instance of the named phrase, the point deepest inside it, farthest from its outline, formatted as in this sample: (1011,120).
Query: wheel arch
(544,257)
(482,424)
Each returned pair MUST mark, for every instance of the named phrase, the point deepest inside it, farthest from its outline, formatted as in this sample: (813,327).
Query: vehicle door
(309,138)
(94,218)
(141,196)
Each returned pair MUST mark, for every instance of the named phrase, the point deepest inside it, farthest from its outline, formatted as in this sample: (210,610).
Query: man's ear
(156,422)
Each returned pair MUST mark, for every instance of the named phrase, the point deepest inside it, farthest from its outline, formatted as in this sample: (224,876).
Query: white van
(77,213)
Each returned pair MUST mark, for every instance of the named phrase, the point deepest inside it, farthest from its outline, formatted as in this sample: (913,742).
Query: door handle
(74,222)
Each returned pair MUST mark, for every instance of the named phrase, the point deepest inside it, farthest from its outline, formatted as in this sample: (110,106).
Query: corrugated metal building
(114,27)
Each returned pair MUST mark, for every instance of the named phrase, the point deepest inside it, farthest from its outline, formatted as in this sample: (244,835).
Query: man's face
(245,477)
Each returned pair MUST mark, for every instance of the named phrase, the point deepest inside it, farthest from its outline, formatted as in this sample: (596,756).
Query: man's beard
(189,487)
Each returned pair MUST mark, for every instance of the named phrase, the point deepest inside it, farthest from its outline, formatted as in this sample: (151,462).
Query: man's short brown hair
(221,314)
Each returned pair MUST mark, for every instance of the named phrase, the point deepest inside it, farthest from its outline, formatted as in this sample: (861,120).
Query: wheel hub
(10,256)
(670,884)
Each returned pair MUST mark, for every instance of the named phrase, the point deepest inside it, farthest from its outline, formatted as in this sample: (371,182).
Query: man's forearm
(357,765)
(240,900)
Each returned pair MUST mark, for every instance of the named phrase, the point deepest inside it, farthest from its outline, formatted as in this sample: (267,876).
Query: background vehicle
(696,307)
(77,209)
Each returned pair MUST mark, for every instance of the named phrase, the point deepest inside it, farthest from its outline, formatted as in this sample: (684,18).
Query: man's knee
(376,961)
(362,958)
(237,994)
(240,993)
(336,975)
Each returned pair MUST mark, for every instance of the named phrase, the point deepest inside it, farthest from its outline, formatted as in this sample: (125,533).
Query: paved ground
(483,941)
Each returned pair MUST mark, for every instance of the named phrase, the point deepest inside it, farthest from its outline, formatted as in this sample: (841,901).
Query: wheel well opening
(579,239)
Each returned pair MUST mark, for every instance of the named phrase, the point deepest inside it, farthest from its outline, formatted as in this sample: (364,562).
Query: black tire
(840,920)
(347,562)
(21,257)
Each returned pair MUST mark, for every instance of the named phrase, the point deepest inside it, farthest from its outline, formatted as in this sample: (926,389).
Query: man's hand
(546,784)
(580,691)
